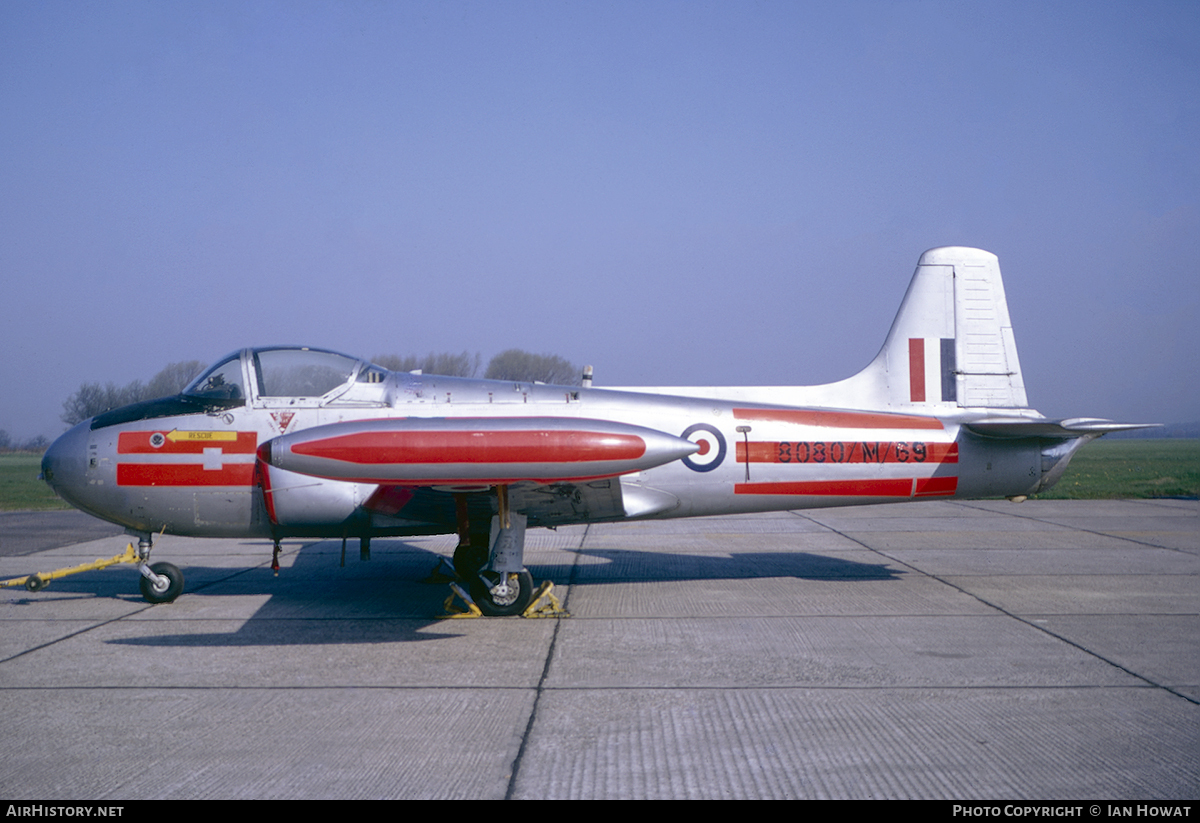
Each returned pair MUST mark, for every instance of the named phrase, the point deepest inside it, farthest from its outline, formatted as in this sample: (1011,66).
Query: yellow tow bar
(39,581)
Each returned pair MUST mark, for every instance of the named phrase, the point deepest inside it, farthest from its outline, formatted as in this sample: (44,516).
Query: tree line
(92,398)
(512,364)
(33,444)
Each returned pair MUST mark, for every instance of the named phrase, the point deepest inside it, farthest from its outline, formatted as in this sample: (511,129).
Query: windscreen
(221,382)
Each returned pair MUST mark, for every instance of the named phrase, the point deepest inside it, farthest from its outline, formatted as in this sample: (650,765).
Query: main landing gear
(491,562)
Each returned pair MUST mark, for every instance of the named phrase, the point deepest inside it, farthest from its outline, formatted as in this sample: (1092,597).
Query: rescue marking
(837,451)
(176,435)
(840,419)
(186,442)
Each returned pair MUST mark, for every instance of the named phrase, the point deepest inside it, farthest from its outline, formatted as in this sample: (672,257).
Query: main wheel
(494,602)
(167,593)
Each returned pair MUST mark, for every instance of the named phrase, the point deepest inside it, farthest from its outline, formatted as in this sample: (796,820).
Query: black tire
(34,583)
(174,584)
(482,595)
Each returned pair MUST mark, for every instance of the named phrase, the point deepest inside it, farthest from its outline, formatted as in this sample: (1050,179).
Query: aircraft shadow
(394,599)
(626,565)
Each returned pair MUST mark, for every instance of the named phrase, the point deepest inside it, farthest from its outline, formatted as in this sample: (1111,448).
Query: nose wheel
(164,584)
(161,582)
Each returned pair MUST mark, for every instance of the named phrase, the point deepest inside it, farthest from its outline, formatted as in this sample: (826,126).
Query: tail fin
(951,344)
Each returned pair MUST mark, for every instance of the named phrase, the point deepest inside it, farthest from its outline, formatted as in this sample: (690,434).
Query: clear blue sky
(678,193)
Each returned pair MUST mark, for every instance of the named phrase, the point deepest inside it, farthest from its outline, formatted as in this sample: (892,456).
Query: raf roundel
(712,447)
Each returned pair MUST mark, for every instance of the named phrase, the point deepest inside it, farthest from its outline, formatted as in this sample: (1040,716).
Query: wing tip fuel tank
(478,450)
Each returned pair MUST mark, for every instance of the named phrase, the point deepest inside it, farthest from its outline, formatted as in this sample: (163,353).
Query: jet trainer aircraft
(279,442)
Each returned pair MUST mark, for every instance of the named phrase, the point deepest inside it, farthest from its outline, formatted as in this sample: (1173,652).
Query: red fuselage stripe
(840,419)
(474,482)
(936,486)
(440,447)
(184,474)
(893,487)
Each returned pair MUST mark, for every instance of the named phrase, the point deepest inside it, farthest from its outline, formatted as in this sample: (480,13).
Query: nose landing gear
(160,583)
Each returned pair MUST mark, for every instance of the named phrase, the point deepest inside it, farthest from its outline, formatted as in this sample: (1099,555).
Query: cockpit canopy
(283,372)
(291,376)
(301,372)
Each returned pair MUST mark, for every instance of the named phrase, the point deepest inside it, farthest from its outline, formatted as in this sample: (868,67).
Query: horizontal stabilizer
(1017,427)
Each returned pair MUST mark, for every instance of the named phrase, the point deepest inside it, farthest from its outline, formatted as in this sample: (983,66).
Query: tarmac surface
(952,650)
(30,532)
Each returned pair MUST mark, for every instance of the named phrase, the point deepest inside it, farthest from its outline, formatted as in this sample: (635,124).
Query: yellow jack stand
(545,604)
(453,611)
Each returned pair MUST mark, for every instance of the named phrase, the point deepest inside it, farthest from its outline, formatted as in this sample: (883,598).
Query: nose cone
(64,465)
